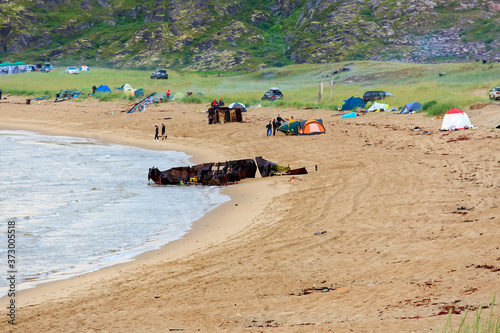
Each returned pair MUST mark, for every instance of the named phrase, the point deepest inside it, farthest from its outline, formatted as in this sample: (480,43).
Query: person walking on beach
(156,134)
(163,136)
(275,126)
(269,127)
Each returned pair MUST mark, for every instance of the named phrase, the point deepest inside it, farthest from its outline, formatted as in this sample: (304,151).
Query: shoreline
(204,232)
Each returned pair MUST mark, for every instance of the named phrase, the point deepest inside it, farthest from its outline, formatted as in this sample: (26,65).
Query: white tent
(84,68)
(455,119)
(379,106)
(127,86)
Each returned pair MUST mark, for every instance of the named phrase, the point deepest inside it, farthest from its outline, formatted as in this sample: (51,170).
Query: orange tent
(311,126)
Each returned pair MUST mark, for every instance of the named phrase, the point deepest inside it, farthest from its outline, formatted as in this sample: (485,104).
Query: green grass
(463,84)
(480,324)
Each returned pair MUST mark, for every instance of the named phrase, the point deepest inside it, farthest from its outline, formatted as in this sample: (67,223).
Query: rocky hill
(221,35)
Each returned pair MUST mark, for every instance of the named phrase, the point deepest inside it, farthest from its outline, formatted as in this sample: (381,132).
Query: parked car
(375,95)
(48,66)
(72,70)
(160,74)
(495,93)
(273,94)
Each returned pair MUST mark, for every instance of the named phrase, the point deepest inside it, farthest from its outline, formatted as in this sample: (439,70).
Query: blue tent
(103,88)
(352,103)
(408,108)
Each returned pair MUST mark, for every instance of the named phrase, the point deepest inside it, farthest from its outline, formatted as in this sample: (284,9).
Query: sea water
(79,205)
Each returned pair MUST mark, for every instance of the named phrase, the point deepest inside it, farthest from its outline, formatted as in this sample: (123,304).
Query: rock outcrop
(236,35)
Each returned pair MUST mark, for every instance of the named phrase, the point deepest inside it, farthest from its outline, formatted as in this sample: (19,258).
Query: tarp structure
(348,115)
(304,127)
(65,94)
(142,104)
(103,88)
(352,103)
(239,106)
(455,119)
(84,68)
(379,107)
(223,114)
(411,107)
(9,68)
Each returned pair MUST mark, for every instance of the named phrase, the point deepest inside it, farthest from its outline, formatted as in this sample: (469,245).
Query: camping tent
(352,103)
(84,68)
(311,126)
(408,108)
(138,92)
(379,106)
(238,105)
(177,96)
(290,128)
(455,119)
(103,88)
(124,87)
(304,127)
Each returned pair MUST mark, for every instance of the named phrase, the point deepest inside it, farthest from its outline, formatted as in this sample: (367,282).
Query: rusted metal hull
(221,173)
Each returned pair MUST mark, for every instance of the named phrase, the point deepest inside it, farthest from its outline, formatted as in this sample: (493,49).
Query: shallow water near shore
(79,205)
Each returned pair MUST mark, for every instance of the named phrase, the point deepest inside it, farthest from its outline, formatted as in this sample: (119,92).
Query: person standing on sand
(163,136)
(269,127)
(168,95)
(275,126)
(156,134)
(279,120)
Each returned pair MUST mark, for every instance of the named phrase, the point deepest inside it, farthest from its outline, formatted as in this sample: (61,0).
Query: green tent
(178,96)
(290,128)
(68,93)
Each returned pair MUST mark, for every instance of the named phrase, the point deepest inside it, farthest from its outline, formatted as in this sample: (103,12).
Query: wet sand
(396,256)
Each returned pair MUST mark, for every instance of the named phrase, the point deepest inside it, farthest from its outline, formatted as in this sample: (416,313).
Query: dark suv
(273,94)
(375,95)
(160,74)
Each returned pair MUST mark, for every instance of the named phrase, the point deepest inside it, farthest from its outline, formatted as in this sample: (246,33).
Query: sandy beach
(395,224)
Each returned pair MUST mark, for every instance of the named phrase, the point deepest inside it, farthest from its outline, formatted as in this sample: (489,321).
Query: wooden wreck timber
(220,173)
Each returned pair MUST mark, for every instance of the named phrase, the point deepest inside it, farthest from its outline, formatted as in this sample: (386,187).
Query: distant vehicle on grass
(160,74)
(375,95)
(495,93)
(72,70)
(273,94)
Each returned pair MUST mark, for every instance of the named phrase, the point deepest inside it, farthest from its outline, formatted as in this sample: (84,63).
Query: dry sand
(396,255)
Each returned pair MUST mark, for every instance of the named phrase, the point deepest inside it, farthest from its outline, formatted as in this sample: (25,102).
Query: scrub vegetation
(462,85)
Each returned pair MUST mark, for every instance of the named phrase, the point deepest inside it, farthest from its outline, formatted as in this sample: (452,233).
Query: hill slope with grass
(245,35)
(462,86)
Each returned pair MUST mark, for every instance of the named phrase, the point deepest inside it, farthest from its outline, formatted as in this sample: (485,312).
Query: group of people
(273,125)
(216,104)
(163,136)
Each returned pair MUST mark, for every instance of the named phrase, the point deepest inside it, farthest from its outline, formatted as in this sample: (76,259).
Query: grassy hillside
(243,36)
(462,85)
